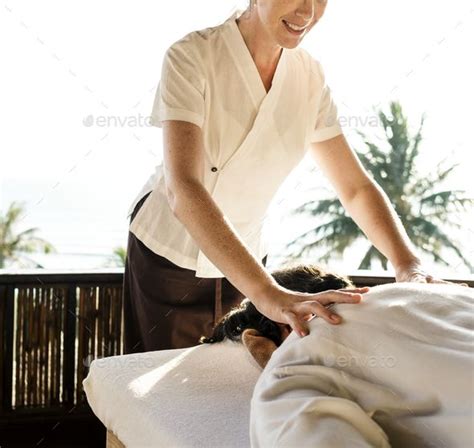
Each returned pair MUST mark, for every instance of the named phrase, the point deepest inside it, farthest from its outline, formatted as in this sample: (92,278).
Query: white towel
(192,397)
(397,372)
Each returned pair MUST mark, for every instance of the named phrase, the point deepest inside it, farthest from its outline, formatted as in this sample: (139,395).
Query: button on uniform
(214,169)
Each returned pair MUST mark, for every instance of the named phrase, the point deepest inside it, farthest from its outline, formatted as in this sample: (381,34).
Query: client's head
(302,277)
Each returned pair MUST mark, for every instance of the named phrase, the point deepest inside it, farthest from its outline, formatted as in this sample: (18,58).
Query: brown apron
(167,306)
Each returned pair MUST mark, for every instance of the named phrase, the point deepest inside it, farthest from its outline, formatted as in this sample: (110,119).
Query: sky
(81,77)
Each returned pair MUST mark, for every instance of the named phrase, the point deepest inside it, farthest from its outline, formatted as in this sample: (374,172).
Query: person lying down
(397,372)
(257,332)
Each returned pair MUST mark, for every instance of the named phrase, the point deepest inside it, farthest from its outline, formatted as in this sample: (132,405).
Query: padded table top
(197,396)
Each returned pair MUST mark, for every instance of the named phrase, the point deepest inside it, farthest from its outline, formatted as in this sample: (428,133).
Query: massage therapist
(239,104)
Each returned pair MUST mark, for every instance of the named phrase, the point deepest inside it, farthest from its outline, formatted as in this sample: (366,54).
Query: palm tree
(13,246)
(119,256)
(422,206)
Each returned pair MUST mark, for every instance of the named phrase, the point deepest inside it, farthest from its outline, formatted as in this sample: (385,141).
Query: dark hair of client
(302,277)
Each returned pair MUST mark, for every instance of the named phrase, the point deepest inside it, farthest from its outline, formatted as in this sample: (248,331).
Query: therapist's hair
(308,278)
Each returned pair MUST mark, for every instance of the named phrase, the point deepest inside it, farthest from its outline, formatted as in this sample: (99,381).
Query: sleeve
(327,124)
(180,91)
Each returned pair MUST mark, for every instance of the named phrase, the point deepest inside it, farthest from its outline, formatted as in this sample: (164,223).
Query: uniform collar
(245,63)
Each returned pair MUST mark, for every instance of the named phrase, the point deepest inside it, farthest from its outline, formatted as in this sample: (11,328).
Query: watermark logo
(117,121)
(361,361)
(355,121)
(129,361)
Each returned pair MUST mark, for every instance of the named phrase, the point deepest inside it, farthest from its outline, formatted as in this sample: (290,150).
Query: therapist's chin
(291,42)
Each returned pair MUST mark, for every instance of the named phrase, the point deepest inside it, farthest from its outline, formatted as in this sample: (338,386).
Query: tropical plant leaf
(14,246)
(419,200)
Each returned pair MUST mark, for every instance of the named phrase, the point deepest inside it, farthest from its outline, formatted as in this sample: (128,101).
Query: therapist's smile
(294,29)
(292,19)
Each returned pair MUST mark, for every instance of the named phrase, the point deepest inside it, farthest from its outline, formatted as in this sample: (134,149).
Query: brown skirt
(167,306)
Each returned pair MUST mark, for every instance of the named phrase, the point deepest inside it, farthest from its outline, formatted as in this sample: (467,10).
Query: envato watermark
(356,121)
(361,361)
(119,361)
(117,121)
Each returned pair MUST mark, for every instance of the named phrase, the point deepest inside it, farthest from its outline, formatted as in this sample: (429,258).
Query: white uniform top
(253,139)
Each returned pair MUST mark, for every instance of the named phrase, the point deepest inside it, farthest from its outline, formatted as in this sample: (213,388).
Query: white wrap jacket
(253,139)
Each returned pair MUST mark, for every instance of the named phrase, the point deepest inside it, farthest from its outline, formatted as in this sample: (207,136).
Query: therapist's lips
(292,31)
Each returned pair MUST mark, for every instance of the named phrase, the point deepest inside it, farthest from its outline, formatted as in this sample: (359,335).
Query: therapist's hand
(414,272)
(294,308)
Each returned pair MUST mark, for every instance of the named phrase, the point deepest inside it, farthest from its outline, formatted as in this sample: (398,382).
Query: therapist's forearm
(372,211)
(217,238)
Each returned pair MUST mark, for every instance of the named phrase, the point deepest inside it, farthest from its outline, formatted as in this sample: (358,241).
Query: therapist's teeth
(295,27)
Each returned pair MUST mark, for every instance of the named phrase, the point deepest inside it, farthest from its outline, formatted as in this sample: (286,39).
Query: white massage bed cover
(398,372)
(190,397)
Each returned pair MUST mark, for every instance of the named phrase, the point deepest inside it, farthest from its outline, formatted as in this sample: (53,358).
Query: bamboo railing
(52,325)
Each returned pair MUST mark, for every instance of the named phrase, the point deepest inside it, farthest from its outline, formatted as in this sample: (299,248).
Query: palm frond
(438,239)
(443,200)
(323,207)
(419,200)
(413,151)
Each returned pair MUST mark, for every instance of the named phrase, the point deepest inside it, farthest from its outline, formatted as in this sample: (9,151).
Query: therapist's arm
(193,205)
(364,200)
(195,208)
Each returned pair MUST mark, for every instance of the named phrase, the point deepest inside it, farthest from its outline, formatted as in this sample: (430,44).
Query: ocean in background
(86,223)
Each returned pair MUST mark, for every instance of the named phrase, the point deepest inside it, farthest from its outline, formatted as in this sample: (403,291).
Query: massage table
(191,397)
(207,395)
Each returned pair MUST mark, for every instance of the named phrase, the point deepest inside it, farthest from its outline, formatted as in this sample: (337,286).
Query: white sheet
(398,372)
(192,397)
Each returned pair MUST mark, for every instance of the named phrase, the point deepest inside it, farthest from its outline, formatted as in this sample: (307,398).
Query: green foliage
(423,209)
(120,254)
(14,246)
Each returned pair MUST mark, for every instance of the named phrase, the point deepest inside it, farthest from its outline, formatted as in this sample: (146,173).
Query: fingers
(339,296)
(449,283)
(297,326)
(321,311)
(418,278)
(301,328)
(431,279)
(306,310)
(360,290)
